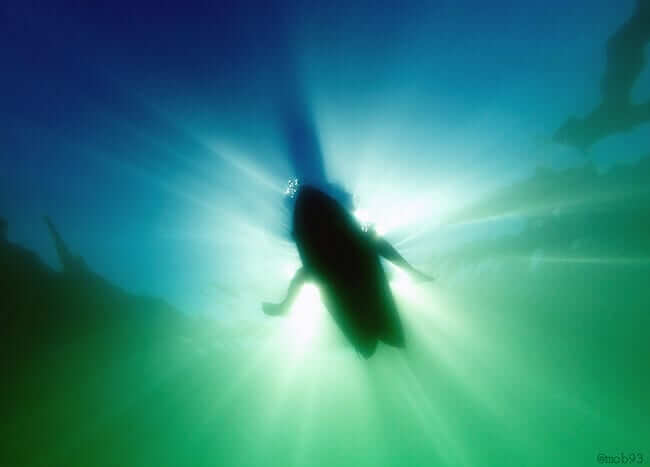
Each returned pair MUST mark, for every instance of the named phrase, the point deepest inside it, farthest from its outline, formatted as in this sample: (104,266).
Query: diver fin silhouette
(625,62)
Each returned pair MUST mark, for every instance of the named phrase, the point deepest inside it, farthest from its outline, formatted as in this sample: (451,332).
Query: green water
(531,348)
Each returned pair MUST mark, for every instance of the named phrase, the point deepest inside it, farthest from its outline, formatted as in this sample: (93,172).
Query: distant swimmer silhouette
(616,113)
(343,260)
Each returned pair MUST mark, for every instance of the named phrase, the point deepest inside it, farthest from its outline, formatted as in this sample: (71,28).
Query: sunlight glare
(306,315)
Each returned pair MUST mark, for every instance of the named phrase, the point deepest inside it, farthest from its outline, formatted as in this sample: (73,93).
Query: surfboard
(342,260)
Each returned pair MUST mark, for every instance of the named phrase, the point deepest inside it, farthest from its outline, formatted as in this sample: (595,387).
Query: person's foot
(422,277)
(272,309)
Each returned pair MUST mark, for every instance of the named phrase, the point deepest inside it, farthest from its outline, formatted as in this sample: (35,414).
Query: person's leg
(275,309)
(389,252)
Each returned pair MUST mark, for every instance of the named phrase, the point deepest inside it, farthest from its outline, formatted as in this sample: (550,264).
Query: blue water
(160,139)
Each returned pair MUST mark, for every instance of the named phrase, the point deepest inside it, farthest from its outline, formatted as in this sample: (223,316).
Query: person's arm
(388,251)
(275,309)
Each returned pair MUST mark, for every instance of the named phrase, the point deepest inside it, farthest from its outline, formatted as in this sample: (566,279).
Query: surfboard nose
(367,349)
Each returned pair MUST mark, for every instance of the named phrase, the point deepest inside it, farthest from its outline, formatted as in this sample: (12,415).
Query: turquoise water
(529,349)
(161,142)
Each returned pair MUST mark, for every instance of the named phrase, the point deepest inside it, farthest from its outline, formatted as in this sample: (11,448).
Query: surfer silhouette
(616,113)
(344,261)
(337,254)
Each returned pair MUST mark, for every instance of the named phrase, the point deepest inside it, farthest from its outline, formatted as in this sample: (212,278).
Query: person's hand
(272,309)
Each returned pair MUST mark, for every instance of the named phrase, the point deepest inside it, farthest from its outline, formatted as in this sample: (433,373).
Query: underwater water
(160,143)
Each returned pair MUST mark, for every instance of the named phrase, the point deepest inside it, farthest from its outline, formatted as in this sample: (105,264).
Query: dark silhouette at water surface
(344,261)
(303,144)
(42,308)
(616,113)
